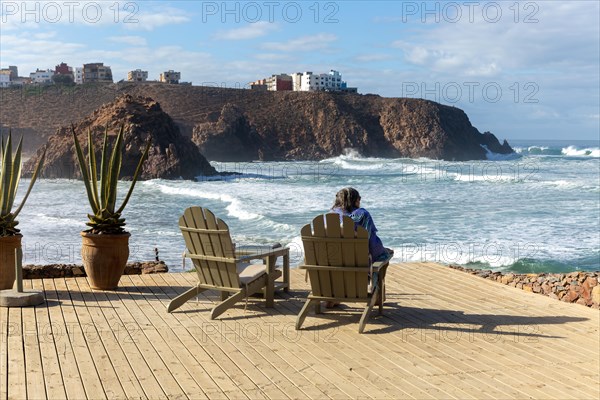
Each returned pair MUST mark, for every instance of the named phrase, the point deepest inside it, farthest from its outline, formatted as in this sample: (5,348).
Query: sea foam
(573,151)
(491,156)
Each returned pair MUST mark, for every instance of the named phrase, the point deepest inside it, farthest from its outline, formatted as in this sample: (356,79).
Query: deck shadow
(413,318)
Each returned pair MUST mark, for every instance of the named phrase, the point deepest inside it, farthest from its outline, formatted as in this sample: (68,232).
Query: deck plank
(90,331)
(269,385)
(17,374)
(301,343)
(247,365)
(31,346)
(54,386)
(289,365)
(197,362)
(491,353)
(218,329)
(169,375)
(77,336)
(518,330)
(452,336)
(126,337)
(3,353)
(66,356)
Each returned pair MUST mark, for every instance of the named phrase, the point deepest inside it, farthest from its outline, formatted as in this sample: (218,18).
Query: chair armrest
(381,264)
(248,258)
(281,251)
(247,253)
(334,268)
(252,249)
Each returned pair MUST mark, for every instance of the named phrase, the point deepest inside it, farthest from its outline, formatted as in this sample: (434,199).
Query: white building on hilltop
(137,76)
(170,76)
(309,82)
(41,77)
(78,75)
(4,80)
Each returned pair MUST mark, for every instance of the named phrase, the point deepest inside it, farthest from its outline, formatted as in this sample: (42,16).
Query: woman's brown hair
(346,199)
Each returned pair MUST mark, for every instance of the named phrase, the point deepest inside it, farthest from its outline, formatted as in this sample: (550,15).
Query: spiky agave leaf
(15,176)
(104,168)
(84,172)
(93,170)
(114,170)
(6,176)
(10,176)
(34,177)
(138,170)
(104,219)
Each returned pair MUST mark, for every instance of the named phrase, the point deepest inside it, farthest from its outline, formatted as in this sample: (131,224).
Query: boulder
(596,295)
(171,155)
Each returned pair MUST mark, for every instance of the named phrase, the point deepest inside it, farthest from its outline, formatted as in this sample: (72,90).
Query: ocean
(536,211)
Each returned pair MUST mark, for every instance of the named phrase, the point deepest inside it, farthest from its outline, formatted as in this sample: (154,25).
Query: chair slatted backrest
(329,243)
(209,245)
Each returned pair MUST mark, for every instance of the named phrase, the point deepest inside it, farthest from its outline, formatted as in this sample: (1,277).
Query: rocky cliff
(320,125)
(171,155)
(240,125)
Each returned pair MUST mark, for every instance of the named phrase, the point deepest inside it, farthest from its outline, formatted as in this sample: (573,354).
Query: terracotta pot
(104,258)
(8,244)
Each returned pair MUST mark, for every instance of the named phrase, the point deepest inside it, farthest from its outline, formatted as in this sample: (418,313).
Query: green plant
(10,175)
(106,218)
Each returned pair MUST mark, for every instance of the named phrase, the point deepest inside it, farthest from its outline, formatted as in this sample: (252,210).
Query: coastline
(579,287)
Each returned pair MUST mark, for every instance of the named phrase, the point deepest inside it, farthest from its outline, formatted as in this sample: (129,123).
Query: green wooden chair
(212,252)
(336,257)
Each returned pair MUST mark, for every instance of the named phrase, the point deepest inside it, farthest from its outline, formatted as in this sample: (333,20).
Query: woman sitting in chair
(347,202)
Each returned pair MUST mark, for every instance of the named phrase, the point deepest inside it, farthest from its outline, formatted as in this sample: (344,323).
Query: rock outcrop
(171,154)
(230,138)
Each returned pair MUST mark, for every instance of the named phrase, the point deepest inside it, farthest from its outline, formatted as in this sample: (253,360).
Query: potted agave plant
(105,246)
(10,238)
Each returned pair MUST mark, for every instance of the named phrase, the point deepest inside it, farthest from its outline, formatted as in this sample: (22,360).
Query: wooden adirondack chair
(336,257)
(211,250)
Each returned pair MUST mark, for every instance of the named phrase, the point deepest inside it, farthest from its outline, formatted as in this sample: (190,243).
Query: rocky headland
(246,125)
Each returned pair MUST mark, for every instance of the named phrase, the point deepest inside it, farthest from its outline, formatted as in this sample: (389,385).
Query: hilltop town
(97,72)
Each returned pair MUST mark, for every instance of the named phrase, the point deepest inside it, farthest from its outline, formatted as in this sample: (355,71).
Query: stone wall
(73,270)
(575,287)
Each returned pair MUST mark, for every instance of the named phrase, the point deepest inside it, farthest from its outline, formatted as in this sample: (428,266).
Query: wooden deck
(444,334)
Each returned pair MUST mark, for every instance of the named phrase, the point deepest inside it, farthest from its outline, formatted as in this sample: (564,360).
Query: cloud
(250,31)
(44,35)
(157,18)
(564,34)
(373,57)
(130,40)
(43,51)
(272,56)
(129,15)
(319,41)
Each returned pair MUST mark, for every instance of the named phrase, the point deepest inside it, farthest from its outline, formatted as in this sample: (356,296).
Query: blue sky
(522,70)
